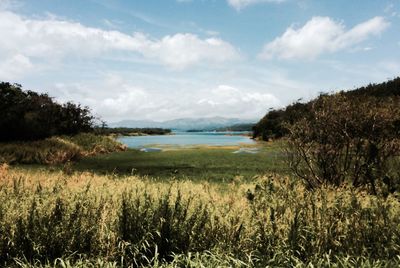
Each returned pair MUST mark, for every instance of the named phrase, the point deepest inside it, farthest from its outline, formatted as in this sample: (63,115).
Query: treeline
(27,115)
(238,127)
(124,131)
(274,124)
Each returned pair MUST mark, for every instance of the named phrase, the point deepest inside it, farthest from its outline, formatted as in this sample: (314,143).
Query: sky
(168,59)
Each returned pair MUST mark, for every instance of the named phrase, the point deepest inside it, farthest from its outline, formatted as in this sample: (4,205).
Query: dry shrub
(91,144)
(3,170)
(347,139)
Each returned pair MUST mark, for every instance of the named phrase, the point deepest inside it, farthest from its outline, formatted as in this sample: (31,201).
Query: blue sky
(170,59)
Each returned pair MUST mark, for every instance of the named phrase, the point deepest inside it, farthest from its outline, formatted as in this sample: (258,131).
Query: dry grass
(56,150)
(275,221)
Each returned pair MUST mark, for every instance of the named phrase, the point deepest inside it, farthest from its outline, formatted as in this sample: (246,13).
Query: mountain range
(184,124)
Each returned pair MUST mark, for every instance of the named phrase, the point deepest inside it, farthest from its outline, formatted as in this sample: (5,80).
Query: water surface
(188,139)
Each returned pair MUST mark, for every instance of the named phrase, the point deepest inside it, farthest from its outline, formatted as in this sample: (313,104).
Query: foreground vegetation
(51,218)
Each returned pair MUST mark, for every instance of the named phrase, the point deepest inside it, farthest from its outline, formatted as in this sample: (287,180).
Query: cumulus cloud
(15,66)
(181,50)
(117,99)
(240,4)
(239,102)
(321,35)
(52,39)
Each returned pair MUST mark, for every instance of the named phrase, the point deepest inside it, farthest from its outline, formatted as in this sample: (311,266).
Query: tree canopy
(273,124)
(27,115)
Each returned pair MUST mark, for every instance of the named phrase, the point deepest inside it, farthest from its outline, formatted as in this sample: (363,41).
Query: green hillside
(272,125)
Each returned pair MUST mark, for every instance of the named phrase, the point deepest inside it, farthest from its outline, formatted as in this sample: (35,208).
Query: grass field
(51,219)
(203,163)
(197,163)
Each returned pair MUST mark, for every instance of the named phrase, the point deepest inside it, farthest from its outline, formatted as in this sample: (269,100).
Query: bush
(347,139)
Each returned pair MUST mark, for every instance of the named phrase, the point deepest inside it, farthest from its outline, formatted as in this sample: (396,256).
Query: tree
(27,115)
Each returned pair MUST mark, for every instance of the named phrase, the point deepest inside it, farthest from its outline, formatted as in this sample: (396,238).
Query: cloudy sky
(166,59)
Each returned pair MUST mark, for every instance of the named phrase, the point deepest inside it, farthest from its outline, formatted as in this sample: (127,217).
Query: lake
(187,139)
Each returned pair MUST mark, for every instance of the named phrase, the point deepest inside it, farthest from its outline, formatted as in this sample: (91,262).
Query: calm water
(185,138)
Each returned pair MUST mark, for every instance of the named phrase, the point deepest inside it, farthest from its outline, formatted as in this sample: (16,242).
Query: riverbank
(198,163)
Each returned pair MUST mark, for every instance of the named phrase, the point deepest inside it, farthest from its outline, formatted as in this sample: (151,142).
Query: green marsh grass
(215,164)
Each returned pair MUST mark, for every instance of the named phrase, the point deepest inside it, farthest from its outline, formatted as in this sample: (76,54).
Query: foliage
(56,150)
(55,219)
(347,139)
(273,124)
(27,115)
(386,89)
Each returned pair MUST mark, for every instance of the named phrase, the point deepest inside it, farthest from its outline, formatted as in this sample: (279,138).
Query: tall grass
(91,144)
(106,221)
(57,150)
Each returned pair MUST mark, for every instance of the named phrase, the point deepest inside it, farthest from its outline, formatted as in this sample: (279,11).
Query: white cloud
(54,39)
(225,99)
(240,4)
(117,99)
(15,66)
(321,35)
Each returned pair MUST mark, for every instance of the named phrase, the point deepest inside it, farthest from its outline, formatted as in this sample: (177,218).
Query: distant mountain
(183,124)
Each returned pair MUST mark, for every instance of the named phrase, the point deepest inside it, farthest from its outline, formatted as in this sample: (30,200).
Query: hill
(271,126)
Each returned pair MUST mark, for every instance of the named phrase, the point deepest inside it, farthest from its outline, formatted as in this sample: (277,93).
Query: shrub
(347,139)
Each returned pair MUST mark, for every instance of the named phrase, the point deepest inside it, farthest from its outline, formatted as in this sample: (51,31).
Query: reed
(50,219)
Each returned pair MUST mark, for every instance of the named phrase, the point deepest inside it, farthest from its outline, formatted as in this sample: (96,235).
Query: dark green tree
(27,115)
